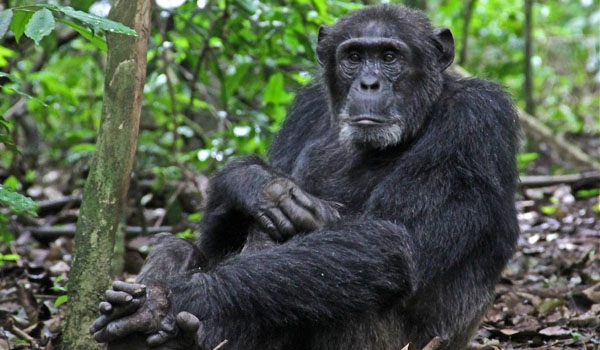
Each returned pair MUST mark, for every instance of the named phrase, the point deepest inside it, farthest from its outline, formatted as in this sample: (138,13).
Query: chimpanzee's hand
(180,334)
(130,308)
(285,210)
(135,308)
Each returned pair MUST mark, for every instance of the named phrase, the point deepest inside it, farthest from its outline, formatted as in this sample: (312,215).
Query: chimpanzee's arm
(248,193)
(335,271)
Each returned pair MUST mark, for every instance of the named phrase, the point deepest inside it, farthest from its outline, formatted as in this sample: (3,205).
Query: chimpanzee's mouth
(365,120)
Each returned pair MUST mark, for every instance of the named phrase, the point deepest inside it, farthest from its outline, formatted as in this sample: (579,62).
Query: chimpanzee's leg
(170,256)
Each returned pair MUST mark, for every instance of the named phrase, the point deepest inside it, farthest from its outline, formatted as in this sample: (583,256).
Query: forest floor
(548,297)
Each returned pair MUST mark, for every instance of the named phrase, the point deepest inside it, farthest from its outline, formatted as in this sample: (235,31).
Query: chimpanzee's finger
(168,330)
(105,307)
(118,298)
(266,224)
(284,226)
(302,199)
(188,325)
(158,338)
(301,218)
(187,322)
(99,323)
(119,328)
(134,289)
(185,337)
(114,313)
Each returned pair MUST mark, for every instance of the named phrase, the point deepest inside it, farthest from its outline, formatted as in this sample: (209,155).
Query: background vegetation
(222,73)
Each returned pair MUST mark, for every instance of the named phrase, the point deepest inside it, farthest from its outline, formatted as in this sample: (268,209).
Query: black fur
(426,218)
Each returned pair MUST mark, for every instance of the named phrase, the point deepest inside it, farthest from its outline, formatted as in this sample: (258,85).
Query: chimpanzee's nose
(369,83)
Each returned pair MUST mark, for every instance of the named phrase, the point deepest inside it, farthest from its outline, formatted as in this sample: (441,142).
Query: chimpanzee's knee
(170,255)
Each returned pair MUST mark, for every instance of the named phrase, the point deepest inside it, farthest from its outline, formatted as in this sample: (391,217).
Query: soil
(548,297)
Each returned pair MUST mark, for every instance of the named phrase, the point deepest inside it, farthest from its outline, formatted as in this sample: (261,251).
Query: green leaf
(188,233)
(274,92)
(17,202)
(528,157)
(320,6)
(95,22)
(524,159)
(549,209)
(96,40)
(9,257)
(195,217)
(41,24)
(8,76)
(20,19)
(587,193)
(6,140)
(61,300)
(12,182)
(5,18)
(82,4)
(59,289)
(246,6)
(4,54)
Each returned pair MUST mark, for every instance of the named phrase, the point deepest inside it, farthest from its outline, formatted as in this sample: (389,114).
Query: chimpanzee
(385,216)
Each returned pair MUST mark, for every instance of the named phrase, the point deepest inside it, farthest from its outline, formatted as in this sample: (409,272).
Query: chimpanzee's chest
(331,172)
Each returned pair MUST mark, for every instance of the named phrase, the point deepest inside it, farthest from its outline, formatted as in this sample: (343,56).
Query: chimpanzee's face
(382,78)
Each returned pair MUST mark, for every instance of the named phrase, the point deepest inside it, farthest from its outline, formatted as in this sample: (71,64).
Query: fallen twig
(53,232)
(549,180)
(19,332)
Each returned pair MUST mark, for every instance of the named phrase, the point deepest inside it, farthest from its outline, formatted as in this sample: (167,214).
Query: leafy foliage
(566,61)
(16,202)
(40,25)
(38,21)
(221,74)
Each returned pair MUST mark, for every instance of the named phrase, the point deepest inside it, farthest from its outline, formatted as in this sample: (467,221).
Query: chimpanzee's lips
(364,120)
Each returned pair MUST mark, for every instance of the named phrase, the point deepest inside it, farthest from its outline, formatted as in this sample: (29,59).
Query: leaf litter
(548,296)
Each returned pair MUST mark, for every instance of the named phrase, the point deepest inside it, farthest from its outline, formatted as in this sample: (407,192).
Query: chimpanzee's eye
(389,57)
(354,57)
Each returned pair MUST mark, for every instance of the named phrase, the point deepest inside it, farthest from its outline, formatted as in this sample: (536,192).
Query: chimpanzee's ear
(323,32)
(444,42)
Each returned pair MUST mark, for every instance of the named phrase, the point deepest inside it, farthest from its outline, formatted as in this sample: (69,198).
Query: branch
(542,181)
(54,232)
(542,133)
(465,31)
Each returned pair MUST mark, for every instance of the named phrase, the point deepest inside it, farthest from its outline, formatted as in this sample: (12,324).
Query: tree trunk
(108,181)
(528,70)
(468,14)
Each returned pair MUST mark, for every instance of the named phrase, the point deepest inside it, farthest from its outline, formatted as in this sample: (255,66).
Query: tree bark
(468,14)
(528,70)
(108,181)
